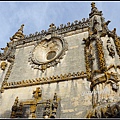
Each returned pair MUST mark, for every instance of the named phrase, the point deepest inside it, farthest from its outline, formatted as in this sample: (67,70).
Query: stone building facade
(70,71)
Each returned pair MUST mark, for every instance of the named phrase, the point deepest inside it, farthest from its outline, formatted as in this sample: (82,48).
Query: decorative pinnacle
(21,28)
(19,34)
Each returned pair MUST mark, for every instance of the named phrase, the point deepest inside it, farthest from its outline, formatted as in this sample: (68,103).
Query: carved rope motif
(88,72)
(102,63)
(4,83)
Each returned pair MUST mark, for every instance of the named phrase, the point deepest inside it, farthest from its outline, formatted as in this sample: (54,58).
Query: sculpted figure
(110,49)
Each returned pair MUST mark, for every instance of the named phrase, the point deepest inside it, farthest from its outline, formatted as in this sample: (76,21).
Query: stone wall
(73,61)
(75,97)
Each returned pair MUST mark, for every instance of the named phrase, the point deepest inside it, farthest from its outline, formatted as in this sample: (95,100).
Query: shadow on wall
(6,114)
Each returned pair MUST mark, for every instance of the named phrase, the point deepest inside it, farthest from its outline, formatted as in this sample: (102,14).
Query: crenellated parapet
(62,29)
(20,39)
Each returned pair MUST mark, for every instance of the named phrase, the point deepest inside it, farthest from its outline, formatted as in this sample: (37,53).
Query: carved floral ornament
(47,53)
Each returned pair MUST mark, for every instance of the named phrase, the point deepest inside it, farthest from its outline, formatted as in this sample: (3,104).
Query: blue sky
(37,16)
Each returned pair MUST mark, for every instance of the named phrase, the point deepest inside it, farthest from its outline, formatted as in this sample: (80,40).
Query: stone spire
(18,35)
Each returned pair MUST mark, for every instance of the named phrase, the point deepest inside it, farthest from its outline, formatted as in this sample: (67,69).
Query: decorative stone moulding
(62,29)
(48,52)
(43,80)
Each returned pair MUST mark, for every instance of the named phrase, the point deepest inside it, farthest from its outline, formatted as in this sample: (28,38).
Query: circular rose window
(48,52)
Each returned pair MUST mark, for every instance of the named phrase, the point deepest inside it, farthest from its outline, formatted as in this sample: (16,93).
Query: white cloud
(37,16)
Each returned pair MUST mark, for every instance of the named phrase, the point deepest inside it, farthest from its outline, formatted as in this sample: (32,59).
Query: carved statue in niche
(110,49)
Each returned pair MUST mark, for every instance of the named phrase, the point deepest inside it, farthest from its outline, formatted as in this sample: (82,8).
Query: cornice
(62,29)
(44,80)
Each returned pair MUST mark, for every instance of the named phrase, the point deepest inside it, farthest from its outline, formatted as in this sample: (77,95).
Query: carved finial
(68,24)
(51,25)
(21,28)
(93,4)
(19,34)
(94,10)
(37,93)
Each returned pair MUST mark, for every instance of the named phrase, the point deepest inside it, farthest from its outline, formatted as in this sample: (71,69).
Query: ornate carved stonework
(3,65)
(94,10)
(100,81)
(9,50)
(110,49)
(103,76)
(49,106)
(48,53)
(106,111)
